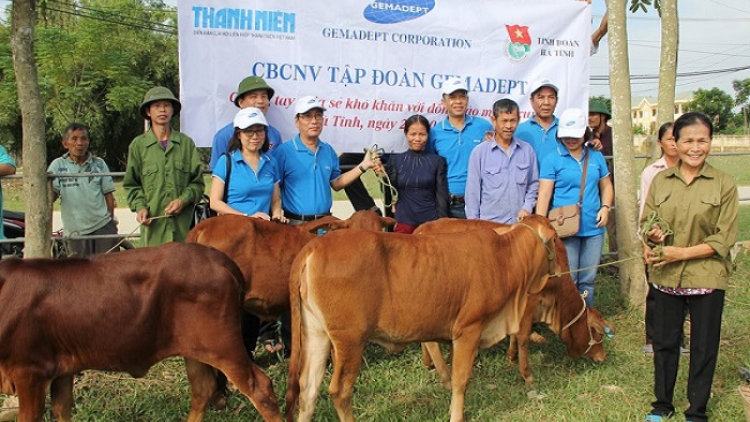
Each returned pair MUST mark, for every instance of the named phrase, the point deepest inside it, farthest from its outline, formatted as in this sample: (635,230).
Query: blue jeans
(584,252)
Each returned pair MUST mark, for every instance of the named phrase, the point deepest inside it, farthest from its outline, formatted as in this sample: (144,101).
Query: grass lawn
(397,388)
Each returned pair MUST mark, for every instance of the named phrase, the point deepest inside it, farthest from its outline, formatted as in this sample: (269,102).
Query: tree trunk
(38,215)
(668,66)
(632,277)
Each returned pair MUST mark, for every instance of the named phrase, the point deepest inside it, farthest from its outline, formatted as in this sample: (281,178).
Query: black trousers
(705,332)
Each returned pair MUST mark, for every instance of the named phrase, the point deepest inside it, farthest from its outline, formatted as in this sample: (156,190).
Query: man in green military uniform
(164,175)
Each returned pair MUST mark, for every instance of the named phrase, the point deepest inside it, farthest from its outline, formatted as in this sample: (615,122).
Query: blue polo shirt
(306,176)
(566,172)
(220,144)
(543,141)
(4,159)
(249,191)
(456,146)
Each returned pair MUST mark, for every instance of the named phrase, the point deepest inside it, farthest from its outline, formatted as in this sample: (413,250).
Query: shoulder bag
(567,219)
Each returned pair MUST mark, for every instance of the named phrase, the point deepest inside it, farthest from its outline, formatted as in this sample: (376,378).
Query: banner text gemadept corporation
(375,63)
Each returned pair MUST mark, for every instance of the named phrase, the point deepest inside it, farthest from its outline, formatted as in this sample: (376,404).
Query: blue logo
(395,11)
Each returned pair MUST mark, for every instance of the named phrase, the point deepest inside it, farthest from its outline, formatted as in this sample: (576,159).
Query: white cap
(454,84)
(248,117)
(572,124)
(305,104)
(537,85)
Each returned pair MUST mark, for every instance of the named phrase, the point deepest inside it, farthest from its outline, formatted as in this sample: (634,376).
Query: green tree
(715,104)
(742,99)
(96,59)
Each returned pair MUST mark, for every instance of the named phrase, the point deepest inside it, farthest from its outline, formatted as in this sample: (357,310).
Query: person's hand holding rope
(655,233)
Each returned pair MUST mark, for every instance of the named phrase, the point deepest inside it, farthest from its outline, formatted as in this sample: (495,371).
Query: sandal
(272,346)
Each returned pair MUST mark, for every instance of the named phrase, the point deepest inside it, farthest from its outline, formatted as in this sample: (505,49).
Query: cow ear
(601,325)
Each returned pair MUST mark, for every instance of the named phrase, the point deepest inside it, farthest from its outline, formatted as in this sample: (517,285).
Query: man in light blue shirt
(309,167)
(503,176)
(87,204)
(540,131)
(252,92)
(455,138)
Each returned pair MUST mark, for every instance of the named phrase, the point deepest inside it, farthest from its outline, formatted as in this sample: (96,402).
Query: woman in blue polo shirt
(560,181)
(254,177)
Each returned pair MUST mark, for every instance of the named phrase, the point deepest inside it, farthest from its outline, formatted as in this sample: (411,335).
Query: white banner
(375,63)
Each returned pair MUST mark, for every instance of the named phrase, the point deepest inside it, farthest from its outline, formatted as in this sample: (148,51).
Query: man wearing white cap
(454,138)
(541,129)
(309,167)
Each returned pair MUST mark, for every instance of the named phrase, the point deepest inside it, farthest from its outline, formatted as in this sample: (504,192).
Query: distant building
(643,110)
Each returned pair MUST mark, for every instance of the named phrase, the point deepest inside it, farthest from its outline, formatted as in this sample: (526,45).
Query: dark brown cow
(124,312)
(264,251)
(558,305)
(354,286)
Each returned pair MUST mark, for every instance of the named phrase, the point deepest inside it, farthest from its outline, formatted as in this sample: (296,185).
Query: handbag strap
(229,174)
(583,176)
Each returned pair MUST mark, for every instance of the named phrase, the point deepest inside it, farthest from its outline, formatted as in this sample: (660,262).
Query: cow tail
(295,300)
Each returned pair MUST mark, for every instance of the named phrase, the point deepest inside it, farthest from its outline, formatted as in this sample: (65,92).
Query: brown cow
(124,312)
(354,286)
(264,251)
(558,305)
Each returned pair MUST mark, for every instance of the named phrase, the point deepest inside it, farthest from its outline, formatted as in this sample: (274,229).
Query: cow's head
(599,327)
(585,334)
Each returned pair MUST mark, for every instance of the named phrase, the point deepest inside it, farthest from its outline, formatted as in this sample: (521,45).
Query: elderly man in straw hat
(164,175)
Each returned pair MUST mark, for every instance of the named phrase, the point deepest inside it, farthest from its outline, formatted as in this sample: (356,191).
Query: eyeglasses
(253,132)
(310,117)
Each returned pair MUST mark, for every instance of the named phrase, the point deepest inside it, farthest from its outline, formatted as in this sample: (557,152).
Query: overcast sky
(715,34)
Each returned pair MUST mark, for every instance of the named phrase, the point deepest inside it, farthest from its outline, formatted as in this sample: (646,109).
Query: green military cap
(251,83)
(599,106)
(159,93)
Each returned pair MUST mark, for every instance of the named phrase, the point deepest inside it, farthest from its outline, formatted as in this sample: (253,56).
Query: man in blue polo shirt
(252,92)
(309,167)
(540,131)
(454,138)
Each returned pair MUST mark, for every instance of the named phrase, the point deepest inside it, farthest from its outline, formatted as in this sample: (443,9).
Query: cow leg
(345,372)
(31,391)
(513,350)
(61,391)
(253,383)
(427,361)
(464,353)
(431,352)
(314,352)
(202,387)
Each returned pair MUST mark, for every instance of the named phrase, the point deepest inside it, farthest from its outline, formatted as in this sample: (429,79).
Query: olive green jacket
(704,211)
(155,177)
